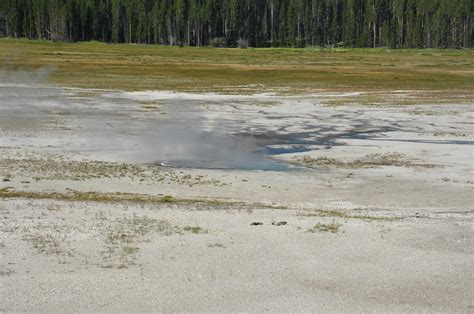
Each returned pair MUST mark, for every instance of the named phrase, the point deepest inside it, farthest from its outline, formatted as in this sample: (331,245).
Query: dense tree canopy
(263,23)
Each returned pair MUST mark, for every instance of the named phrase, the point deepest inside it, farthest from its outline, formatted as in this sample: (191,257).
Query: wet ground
(174,133)
(206,131)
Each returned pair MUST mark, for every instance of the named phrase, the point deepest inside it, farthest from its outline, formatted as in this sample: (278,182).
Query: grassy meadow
(435,74)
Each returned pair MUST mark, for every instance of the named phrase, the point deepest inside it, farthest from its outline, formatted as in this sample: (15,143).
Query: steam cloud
(112,126)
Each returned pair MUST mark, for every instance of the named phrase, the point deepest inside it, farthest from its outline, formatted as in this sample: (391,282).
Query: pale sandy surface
(396,181)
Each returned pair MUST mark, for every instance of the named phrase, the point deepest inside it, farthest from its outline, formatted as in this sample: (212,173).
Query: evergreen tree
(355,23)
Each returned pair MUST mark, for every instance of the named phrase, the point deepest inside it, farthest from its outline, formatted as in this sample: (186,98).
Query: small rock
(280,223)
(256,223)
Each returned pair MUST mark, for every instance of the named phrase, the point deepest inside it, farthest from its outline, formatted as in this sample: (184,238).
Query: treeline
(260,23)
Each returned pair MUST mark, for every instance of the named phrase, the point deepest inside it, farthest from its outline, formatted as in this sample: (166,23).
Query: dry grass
(136,229)
(390,98)
(56,167)
(134,67)
(124,235)
(77,196)
(332,227)
(344,215)
(369,161)
(194,229)
(120,197)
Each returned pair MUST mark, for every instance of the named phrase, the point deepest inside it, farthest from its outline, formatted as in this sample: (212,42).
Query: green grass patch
(136,67)
(194,229)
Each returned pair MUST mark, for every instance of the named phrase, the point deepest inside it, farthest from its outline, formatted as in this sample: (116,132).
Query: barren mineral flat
(115,200)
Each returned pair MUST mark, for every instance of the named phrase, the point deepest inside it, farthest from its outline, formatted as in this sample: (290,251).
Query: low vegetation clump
(344,215)
(194,229)
(45,243)
(57,167)
(121,197)
(151,106)
(242,43)
(332,227)
(129,250)
(72,195)
(167,199)
(47,239)
(124,235)
(322,161)
(136,229)
(217,42)
(369,161)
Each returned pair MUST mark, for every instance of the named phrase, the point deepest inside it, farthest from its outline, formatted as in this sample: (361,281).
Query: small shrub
(217,42)
(300,42)
(129,250)
(333,227)
(194,229)
(167,199)
(242,43)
